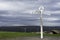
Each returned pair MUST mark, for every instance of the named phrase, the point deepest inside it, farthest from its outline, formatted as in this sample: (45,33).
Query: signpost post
(41,9)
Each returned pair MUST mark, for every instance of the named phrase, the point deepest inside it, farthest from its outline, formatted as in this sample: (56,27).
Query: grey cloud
(21,15)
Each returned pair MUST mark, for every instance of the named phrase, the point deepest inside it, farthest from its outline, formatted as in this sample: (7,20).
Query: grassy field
(22,34)
(52,35)
(16,34)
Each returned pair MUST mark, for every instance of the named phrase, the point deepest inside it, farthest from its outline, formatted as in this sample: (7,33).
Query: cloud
(51,24)
(51,19)
(19,12)
(6,6)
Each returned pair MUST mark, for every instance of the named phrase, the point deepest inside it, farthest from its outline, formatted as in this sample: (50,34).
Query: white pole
(41,25)
(41,9)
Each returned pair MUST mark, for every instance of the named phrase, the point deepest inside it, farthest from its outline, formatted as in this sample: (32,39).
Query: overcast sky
(19,12)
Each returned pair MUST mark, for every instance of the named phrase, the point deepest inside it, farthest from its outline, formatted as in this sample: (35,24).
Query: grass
(52,35)
(16,34)
(23,34)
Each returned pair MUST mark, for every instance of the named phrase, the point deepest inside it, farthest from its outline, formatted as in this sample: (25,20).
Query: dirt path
(33,38)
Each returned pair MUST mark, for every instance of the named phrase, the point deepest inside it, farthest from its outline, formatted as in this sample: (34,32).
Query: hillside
(27,28)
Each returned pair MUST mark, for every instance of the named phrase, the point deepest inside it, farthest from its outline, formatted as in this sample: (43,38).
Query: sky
(22,12)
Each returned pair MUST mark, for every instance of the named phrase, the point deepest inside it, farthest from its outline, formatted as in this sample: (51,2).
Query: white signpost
(41,10)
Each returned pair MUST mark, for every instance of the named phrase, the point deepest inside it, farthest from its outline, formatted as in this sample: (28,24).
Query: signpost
(41,10)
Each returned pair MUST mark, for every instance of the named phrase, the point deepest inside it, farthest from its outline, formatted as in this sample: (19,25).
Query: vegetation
(52,35)
(22,34)
(16,34)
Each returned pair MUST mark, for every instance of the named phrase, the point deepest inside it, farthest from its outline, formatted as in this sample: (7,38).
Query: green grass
(16,34)
(52,35)
(23,34)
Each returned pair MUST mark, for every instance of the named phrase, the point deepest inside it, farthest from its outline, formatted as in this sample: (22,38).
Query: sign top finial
(41,8)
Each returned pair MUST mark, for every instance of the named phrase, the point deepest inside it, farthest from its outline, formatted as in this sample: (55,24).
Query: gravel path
(33,38)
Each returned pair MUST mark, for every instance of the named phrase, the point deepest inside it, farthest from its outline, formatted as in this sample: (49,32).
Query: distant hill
(27,28)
